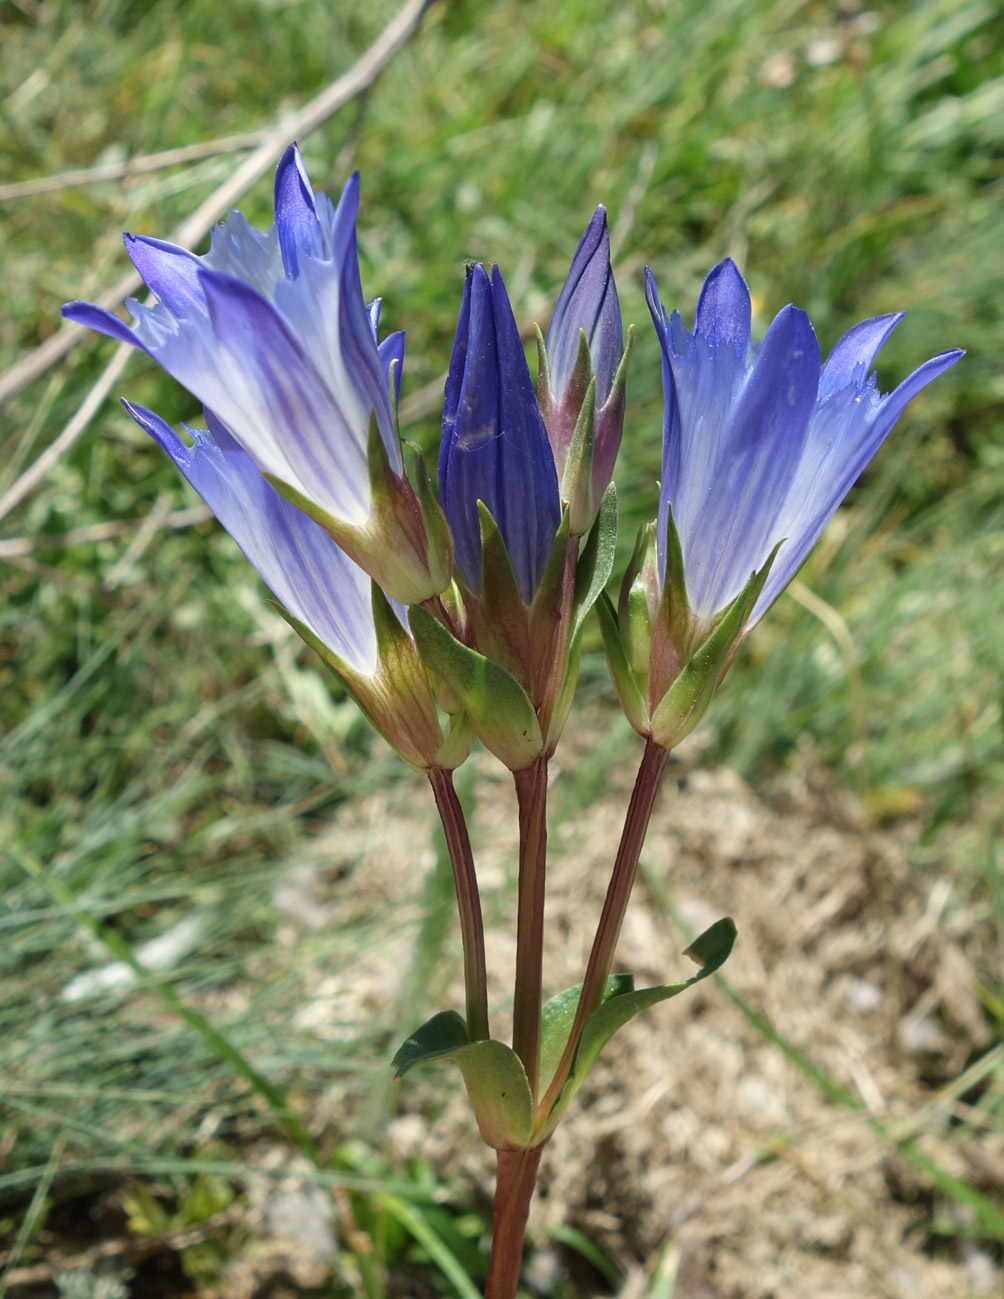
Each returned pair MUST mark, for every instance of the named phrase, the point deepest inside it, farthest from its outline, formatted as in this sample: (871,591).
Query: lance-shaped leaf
(493,1074)
(621,1003)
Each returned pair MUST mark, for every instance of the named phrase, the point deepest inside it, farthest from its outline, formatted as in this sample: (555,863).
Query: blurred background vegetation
(168,752)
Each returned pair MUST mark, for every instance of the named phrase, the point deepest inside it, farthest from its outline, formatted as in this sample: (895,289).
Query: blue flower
(760,442)
(585,344)
(588,302)
(271,332)
(494,446)
(324,594)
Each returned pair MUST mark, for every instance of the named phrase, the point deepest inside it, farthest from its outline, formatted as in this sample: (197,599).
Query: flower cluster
(463,614)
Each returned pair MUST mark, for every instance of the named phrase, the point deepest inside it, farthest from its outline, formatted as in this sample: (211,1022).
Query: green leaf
(712,949)
(436,1039)
(498,705)
(493,1073)
(557,1016)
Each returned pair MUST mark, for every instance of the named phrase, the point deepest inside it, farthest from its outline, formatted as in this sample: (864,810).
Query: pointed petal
(103,322)
(467,462)
(588,301)
(373,311)
(528,504)
(845,434)
(172,273)
(759,452)
(392,353)
(495,447)
(295,213)
(723,309)
(269,393)
(306,571)
(854,354)
(894,405)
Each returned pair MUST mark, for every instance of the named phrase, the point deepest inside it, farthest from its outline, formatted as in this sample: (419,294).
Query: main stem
(646,787)
(472,931)
(531,796)
(517,1176)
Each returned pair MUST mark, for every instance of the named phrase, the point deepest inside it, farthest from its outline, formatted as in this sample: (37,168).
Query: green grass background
(166,754)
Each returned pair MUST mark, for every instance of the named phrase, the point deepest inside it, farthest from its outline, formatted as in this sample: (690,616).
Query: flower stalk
(472,932)
(517,1177)
(531,795)
(639,813)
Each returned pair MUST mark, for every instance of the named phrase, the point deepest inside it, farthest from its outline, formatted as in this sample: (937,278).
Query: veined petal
(759,450)
(270,394)
(724,310)
(847,429)
(527,482)
(304,568)
(172,273)
(467,460)
(700,385)
(495,446)
(238,249)
(295,214)
(588,301)
(854,354)
(325,310)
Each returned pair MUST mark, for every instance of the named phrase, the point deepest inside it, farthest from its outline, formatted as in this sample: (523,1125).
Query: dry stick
(15,547)
(646,786)
(275,139)
(472,932)
(138,166)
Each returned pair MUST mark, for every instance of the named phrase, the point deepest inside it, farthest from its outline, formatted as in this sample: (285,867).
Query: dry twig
(274,140)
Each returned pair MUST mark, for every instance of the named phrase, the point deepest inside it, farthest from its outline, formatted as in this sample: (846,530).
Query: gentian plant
(461,617)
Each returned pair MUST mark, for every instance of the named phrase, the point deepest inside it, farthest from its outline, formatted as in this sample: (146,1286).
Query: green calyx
(686,700)
(397,697)
(498,706)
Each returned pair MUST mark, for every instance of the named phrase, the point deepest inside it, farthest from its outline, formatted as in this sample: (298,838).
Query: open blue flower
(760,442)
(495,446)
(271,332)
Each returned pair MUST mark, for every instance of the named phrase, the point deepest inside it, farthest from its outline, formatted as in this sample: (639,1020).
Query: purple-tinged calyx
(760,445)
(583,376)
(271,332)
(327,597)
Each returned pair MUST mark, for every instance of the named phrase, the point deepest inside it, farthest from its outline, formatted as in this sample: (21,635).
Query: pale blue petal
(300,563)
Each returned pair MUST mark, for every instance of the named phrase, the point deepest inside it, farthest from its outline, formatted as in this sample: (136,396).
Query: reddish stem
(517,1176)
(531,795)
(472,933)
(646,787)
